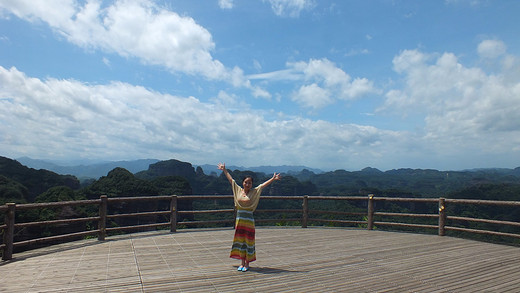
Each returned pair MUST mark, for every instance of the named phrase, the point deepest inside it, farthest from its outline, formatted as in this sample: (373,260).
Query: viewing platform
(314,259)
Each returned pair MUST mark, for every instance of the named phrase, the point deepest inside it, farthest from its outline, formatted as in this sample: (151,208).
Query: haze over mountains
(98,169)
(24,180)
(92,170)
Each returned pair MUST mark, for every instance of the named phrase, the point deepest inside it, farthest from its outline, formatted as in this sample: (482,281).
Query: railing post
(442,216)
(305,206)
(9,231)
(370,213)
(173,214)
(102,224)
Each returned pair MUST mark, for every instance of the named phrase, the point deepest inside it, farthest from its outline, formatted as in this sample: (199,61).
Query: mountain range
(83,171)
(96,170)
(35,176)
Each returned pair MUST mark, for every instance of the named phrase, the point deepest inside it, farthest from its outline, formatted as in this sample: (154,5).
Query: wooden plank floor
(289,260)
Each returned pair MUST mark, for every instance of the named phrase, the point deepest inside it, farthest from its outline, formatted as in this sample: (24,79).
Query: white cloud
(320,82)
(106,61)
(285,74)
(70,119)
(229,101)
(225,4)
(259,92)
(137,28)
(464,107)
(354,52)
(491,49)
(326,75)
(312,96)
(290,8)
(257,65)
(473,3)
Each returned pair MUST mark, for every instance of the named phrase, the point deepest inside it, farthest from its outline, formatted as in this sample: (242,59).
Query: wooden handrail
(206,212)
(9,210)
(487,232)
(54,238)
(484,202)
(55,222)
(400,199)
(139,198)
(197,197)
(43,205)
(405,225)
(161,213)
(336,213)
(321,197)
(406,215)
(136,227)
(484,221)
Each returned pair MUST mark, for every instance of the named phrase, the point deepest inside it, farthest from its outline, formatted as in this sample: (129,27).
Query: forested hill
(20,184)
(422,182)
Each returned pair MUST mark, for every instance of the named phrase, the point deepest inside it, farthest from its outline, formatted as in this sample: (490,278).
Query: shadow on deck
(289,260)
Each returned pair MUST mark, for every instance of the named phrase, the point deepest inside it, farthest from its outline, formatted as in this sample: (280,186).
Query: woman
(246,200)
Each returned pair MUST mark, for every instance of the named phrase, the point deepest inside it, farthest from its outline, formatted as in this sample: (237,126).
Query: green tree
(120,182)
(12,191)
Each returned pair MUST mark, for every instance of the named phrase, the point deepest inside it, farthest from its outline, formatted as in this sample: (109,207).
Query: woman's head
(247,183)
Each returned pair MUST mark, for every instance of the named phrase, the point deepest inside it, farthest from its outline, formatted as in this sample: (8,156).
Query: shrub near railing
(373,215)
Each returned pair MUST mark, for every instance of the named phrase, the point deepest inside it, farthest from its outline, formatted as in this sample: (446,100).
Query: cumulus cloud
(67,118)
(319,83)
(491,48)
(225,4)
(463,106)
(323,82)
(312,96)
(290,8)
(135,29)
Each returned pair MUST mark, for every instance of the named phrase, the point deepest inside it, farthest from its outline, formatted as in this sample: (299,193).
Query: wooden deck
(289,260)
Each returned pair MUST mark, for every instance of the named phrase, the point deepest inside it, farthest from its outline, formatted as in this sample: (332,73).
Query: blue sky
(325,84)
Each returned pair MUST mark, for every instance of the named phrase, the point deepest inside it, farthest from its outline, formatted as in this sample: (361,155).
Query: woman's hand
(222,166)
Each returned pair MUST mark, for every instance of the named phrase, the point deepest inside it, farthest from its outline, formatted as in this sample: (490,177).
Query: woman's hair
(249,176)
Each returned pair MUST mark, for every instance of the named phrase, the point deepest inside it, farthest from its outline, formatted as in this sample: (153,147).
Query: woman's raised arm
(222,166)
(276,176)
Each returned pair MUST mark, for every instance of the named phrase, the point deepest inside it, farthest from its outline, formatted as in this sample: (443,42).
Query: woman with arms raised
(246,200)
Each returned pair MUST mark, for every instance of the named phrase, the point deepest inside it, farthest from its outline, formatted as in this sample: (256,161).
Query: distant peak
(371,170)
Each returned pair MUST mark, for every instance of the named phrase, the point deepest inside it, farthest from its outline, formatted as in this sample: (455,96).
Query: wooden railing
(367,218)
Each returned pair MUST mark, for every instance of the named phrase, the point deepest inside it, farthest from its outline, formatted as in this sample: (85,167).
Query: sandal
(245,269)
(240,268)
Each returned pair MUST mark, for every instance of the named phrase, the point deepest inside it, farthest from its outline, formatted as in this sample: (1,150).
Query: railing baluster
(305,207)
(442,216)
(370,212)
(9,231)
(173,214)
(102,224)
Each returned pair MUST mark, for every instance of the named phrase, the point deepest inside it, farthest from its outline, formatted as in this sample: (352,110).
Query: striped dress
(244,239)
